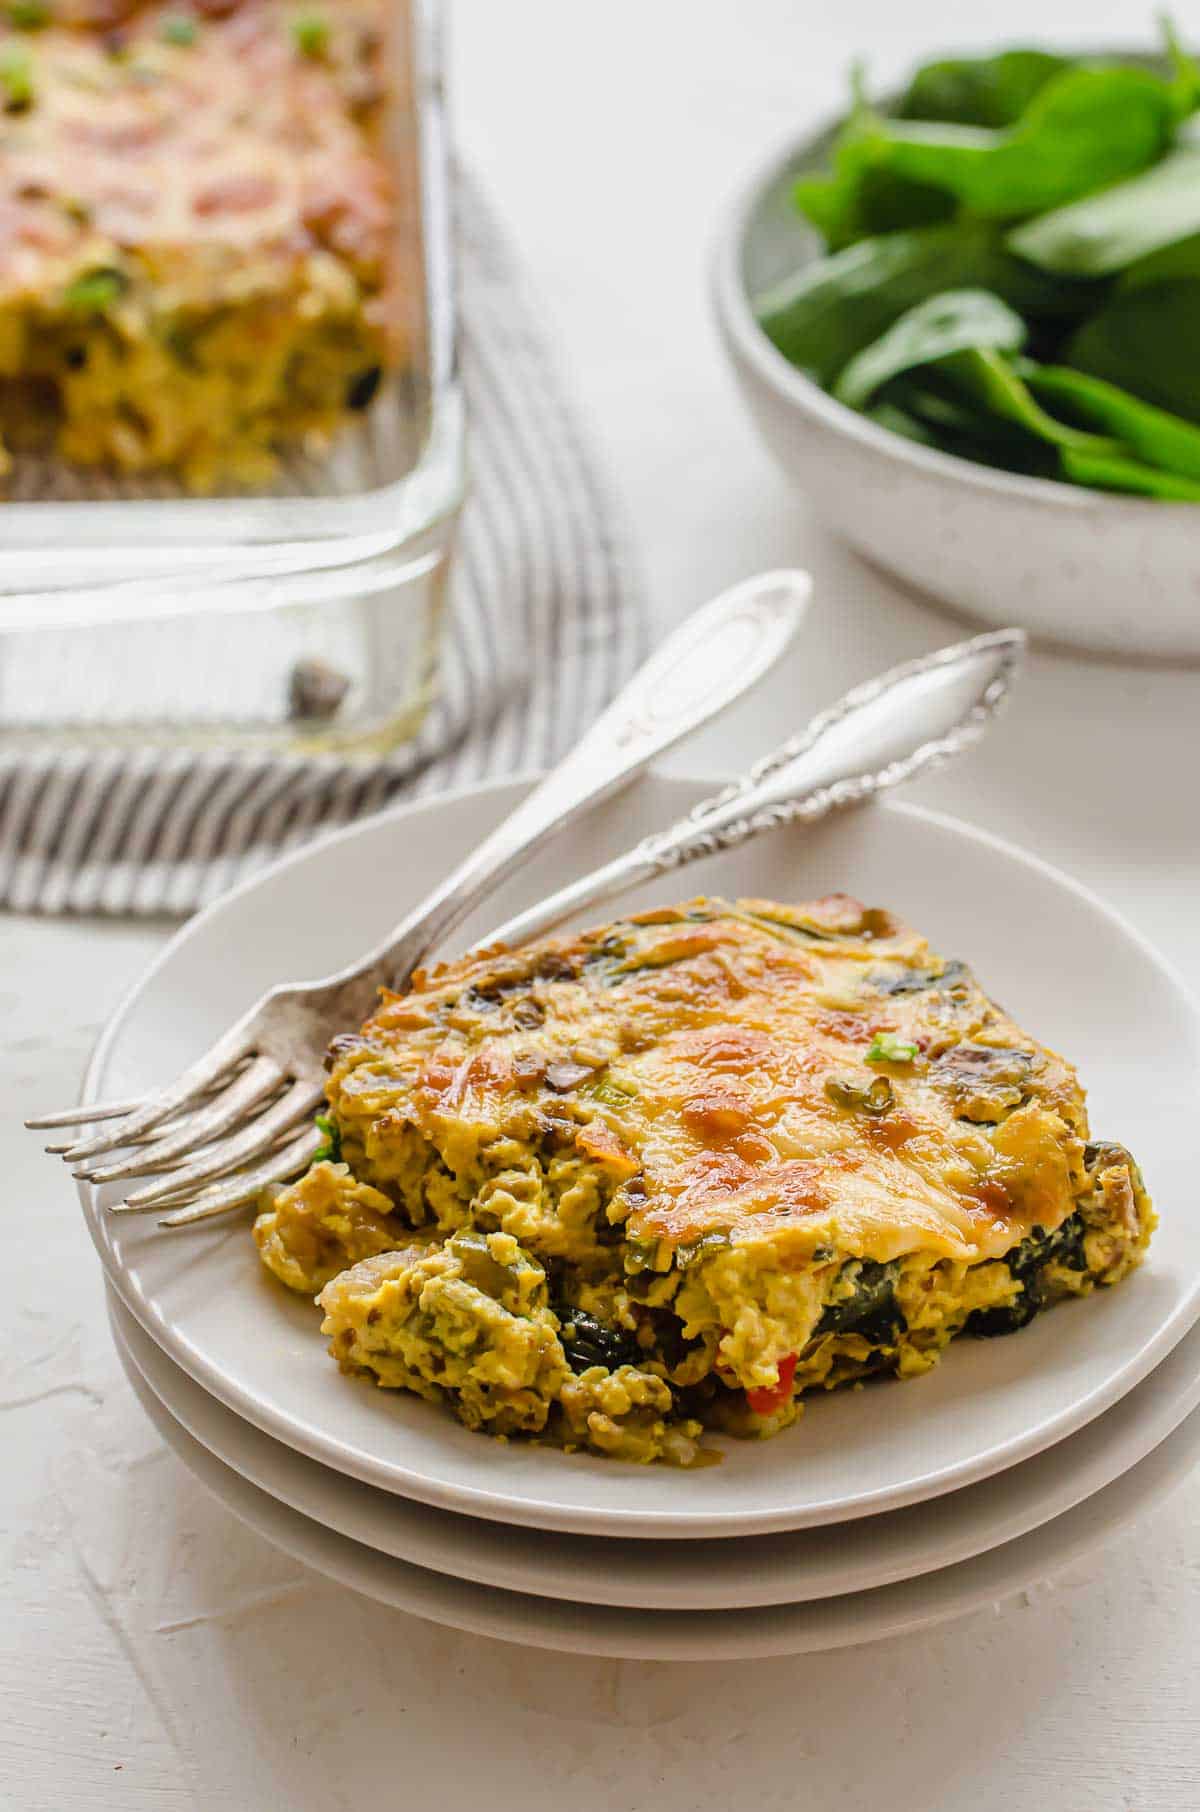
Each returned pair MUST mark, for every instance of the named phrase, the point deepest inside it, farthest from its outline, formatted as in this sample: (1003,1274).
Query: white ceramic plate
(694,1575)
(649,1635)
(1055,956)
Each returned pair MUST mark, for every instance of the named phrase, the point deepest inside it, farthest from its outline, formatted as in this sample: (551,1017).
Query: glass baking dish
(304,617)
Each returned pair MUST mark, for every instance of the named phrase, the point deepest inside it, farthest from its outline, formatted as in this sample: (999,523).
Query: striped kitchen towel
(542,571)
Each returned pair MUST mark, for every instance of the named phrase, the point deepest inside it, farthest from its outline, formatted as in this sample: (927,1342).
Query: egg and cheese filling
(197,231)
(615,1189)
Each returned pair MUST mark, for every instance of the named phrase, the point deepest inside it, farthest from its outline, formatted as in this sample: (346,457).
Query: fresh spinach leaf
(981,382)
(862,197)
(968,431)
(858,197)
(1174,263)
(1121,472)
(897,420)
(1105,233)
(989,381)
(834,307)
(1015,267)
(979,91)
(1185,71)
(1087,127)
(1154,435)
(1145,340)
(954,321)
(1003,137)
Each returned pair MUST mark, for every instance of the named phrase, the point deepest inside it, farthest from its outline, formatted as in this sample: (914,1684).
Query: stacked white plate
(883,1509)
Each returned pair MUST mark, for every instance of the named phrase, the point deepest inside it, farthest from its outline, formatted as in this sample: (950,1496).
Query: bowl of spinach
(967,320)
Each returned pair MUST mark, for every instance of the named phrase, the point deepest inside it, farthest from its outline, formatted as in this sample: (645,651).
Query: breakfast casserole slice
(613,1189)
(197,227)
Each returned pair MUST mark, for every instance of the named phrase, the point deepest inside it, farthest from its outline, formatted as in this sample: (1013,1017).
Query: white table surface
(152,1653)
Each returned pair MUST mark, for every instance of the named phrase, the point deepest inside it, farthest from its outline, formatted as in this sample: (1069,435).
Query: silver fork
(249,1100)
(878,735)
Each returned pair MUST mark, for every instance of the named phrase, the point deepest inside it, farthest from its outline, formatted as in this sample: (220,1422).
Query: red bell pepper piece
(765,1400)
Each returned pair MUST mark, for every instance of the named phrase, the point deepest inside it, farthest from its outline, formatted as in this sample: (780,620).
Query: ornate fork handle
(878,735)
(889,691)
(712,658)
(670,850)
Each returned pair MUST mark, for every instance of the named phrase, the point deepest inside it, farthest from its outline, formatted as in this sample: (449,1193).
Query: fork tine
(250,1086)
(161,1128)
(300,1099)
(81,1115)
(195,1081)
(237,1190)
(61,1147)
(182,1193)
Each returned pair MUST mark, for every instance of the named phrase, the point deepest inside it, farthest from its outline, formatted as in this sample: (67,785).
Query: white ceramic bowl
(1117,575)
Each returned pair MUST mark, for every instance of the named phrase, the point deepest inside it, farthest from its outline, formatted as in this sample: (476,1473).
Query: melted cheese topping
(193,154)
(803,1078)
(199,234)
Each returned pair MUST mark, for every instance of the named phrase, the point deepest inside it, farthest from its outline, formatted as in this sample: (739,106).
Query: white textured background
(154,1655)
